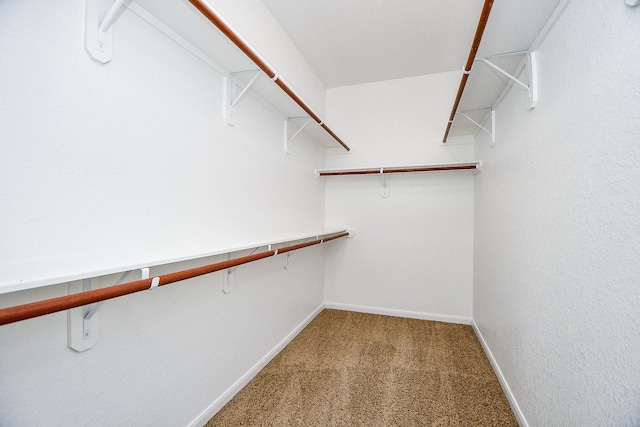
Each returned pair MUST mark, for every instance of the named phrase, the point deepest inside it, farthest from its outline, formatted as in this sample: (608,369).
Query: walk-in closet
(320,212)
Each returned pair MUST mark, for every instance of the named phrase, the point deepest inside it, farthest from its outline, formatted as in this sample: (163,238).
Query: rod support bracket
(82,332)
(288,125)
(384,193)
(478,167)
(532,73)
(492,132)
(231,87)
(82,322)
(227,274)
(98,31)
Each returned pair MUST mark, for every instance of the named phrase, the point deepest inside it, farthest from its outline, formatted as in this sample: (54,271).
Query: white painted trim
(208,413)
(399,313)
(503,382)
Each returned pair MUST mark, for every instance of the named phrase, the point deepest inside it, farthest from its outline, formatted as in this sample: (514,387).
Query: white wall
(413,250)
(557,221)
(133,156)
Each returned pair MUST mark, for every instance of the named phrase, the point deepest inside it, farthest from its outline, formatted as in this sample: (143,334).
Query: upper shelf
(22,276)
(512,27)
(194,28)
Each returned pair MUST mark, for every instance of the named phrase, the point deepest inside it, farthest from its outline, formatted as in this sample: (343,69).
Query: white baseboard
(399,313)
(208,413)
(503,382)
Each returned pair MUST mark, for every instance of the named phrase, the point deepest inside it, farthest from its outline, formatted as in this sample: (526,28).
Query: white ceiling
(348,42)
(359,41)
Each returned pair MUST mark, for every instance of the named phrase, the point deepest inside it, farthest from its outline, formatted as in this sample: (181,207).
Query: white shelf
(184,24)
(512,27)
(35,274)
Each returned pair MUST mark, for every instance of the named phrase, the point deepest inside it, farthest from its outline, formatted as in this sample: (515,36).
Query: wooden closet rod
(40,308)
(247,50)
(484,17)
(396,170)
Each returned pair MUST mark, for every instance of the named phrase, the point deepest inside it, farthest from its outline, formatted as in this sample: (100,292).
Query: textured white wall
(413,250)
(557,227)
(134,156)
(78,135)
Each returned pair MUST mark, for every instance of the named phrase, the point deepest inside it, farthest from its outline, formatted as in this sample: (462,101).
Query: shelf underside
(512,27)
(221,54)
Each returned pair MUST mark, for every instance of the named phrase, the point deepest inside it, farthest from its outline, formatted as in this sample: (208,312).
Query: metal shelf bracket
(98,30)
(384,193)
(288,255)
(532,73)
(492,132)
(288,138)
(82,322)
(231,99)
(227,275)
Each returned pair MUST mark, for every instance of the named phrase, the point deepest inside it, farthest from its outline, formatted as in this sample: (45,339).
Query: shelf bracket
(288,139)
(98,30)
(232,99)
(286,258)
(225,283)
(492,132)
(384,193)
(227,275)
(81,334)
(82,322)
(532,73)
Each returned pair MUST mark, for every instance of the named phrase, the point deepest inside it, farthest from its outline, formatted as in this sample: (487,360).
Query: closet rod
(396,170)
(247,50)
(484,17)
(40,308)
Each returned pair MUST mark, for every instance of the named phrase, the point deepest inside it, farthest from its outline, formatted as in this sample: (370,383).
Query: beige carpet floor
(355,369)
